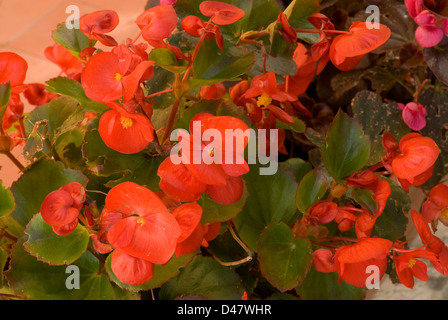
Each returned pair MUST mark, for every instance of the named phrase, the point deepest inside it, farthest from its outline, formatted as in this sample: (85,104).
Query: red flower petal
(360,40)
(228,194)
(66,228)
(188,216)
(95,24)
(131,270)
(157,23)
(177,182)
(152,238)
(68,63)
(221,13)
(130,198)
(77,192)
(323,260)
(12,68)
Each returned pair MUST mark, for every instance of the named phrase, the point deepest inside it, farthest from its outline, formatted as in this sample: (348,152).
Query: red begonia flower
(428,34)
(64,59)
(188,217)
(129,269)
(157,23)
(360,40)
(324,211)
(108,77)
(408,266)
(13,68)
(219,178)
(61,207)
(345,218)
(125,132)
(417,155)
(352,260)
(195,27)
(323,261)
(147,230)
(37,95)
(436,206)
(221,13)
(94,25)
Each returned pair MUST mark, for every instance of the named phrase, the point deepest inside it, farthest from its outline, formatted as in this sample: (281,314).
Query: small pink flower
(414,115)
(428,34)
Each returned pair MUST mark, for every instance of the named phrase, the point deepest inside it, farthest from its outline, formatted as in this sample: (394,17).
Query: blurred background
(26,27)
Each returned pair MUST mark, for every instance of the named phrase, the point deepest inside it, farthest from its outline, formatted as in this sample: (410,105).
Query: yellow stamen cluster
(126,122)
(264,100)
(411,263)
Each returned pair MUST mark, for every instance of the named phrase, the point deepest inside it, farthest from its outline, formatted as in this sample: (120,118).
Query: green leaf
(73,39)
(211,63)
(347,148)
(311,189)
(364,197)
(48,247)
(161,275)
(298,167)
(378,118)
(166,59)
(206,277)
(7,203)
(434,99)
(284,261)
(73,89)
(5,94)
(326,286)
(437,59)
(34,185)
(298,125)
(215,212)
(38,280)
(299,10)
(61,115)
(271,198)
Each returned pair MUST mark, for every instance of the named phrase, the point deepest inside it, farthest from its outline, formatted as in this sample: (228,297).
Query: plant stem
(170,123)
(15,161)
(158,93)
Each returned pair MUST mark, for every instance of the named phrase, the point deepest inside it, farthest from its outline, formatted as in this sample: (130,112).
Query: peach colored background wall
(26,27)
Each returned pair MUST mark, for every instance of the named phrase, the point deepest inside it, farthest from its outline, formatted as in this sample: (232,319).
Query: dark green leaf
(48,247)
(73,39)
(7,203)
(347,148)
(271,198)
(311,189)
(284,261)
(206,277)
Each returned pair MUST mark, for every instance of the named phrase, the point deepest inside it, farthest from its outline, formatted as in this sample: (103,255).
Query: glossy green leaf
(298,125)
(73,89)
(38,280)
(347,148)
(271,198)
(311,189)
(298,167)
(5,94)
(326,286)
(284,260)
(7,203)
(48,247)
(211,63)
(166,59)
(298,11)
(73,39)
(206,277)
